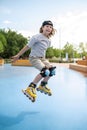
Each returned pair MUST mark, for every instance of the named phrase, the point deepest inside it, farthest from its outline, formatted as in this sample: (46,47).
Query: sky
(26,16)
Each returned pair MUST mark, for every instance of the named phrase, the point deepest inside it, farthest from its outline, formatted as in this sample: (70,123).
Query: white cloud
(7,22)
(72,28)
(26,33)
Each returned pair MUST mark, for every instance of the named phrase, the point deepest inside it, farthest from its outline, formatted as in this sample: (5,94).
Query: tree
(3,44)
(56,52)
(1,47)
(82,49)
(49,52)
(68,48)
(14,43)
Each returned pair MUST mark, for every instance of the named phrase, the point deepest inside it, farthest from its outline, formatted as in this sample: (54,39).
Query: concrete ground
(66,109)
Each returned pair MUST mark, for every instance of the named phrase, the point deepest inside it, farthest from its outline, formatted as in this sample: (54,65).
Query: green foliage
(68,48)
(56,52)
(2,43)
(11,43)
(1,47)
(52,52)
(54,59)
(82,49)
(14,43)
(49,52)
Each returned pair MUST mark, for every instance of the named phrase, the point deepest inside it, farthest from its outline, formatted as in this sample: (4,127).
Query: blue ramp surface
(66,109)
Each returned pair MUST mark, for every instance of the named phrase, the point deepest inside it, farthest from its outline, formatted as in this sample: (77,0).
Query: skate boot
(30,92)
(44,89)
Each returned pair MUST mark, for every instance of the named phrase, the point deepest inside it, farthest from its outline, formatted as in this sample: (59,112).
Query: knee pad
(52,71)
(45,72)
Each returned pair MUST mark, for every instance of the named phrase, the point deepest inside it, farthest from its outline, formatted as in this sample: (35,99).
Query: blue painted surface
(66,109)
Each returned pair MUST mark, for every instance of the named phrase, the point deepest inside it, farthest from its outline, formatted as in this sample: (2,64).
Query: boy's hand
(15,58)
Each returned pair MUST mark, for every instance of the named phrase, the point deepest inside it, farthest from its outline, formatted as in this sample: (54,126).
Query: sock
(43,83)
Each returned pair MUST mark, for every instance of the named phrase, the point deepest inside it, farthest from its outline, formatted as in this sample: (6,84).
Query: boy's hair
(48,23)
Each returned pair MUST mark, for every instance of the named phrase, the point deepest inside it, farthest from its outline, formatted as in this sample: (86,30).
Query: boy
(39,44)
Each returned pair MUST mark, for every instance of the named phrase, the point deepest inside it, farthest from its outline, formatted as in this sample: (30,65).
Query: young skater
(39,44)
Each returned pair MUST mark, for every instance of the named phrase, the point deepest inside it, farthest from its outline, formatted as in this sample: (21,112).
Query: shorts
(39,63)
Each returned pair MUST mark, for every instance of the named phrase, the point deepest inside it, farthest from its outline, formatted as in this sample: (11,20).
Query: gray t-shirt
(39,44)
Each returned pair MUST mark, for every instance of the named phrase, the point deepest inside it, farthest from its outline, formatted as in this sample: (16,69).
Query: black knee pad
(45,72)
(52,71)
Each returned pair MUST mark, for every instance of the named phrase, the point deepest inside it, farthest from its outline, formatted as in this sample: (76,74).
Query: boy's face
(47,29)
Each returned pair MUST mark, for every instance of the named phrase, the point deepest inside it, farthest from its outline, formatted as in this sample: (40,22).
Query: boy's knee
(48,72)
(45,72)
(52,71)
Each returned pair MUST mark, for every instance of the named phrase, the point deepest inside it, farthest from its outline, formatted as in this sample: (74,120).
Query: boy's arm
(22,51)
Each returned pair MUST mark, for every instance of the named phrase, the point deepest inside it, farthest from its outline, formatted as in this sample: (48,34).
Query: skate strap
(43,83)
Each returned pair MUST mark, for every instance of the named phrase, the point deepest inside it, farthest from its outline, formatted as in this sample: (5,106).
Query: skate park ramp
(66,109)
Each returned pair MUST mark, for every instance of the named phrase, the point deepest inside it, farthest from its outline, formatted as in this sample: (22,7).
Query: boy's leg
(30,91)
(38,64)
(46,79)
(37,79)
(51,72)
(43,74)
(43,85)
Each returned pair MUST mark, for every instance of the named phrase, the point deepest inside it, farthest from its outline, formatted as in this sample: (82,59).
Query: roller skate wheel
(24,92)
(50,94)
(29,98)
(27,95)
(33,100)
(37,89)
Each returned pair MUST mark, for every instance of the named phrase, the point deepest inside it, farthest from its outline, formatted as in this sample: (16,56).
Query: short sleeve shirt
(39,44)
